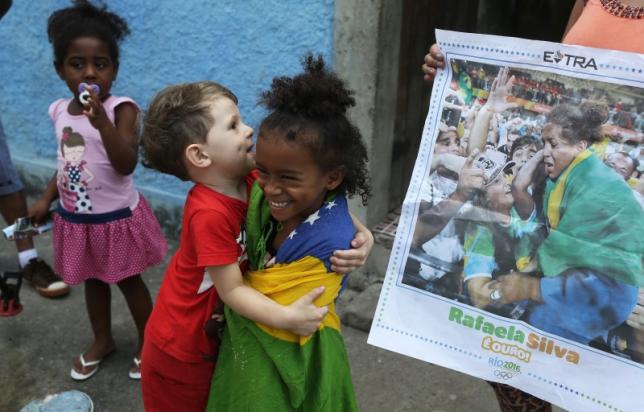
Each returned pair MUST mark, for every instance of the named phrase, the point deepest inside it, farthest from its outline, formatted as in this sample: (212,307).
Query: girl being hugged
(309,157)
(104,231)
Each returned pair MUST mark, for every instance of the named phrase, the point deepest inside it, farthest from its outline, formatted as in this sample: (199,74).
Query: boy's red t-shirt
(212,235)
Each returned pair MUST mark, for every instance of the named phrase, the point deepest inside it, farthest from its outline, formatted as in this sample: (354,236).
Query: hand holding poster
(518,256)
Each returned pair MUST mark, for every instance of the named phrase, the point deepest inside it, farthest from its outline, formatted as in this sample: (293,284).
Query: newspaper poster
(518,255)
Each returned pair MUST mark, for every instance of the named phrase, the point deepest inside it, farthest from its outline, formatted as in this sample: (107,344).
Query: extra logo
(569,60)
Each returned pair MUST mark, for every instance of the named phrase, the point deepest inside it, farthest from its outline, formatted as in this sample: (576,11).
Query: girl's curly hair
(83,19)
(311,108)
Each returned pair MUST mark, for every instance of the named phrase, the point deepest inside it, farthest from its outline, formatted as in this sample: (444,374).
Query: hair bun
(64,21)
(595,113)
(316,93)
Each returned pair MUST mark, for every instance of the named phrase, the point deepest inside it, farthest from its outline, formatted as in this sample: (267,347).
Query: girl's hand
(433,60)
(345,261)
(95,112)
(305,317)
(497,101)
(39,212)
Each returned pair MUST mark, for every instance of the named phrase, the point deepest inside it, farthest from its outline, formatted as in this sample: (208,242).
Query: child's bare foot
(86,365)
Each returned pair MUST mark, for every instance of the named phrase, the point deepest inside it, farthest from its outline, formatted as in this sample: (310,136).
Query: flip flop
(135,375)
(77,376)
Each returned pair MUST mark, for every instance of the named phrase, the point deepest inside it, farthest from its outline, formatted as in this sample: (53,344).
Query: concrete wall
(242,44)
(366,54)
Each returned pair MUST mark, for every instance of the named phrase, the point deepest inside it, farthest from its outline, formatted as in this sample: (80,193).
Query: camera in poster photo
(532,206)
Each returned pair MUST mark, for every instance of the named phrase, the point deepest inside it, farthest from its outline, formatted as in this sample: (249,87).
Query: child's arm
(40,210)
(523,201)
(301,317)
(345,261)
(120,140)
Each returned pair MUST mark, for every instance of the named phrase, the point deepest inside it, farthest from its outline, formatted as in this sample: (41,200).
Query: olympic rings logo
(503,374)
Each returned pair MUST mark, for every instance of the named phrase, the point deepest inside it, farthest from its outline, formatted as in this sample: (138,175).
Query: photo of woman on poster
(531,207)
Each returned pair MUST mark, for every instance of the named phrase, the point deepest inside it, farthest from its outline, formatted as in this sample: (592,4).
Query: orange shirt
(596,27)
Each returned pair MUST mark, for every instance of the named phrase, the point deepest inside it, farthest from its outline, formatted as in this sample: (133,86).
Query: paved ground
(37,347)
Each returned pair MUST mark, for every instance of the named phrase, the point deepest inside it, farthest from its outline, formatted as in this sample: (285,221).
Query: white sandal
(135,375)
(77,376)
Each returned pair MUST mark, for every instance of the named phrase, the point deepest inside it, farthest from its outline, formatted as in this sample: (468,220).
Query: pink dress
(103,228)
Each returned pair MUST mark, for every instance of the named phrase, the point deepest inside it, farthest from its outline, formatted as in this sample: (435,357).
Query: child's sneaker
(46,282)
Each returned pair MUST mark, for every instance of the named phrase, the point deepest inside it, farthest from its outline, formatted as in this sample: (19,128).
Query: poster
(518,256)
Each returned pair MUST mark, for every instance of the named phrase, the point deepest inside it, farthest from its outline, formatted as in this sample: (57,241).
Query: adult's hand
(517,286)
(497,100)
(470,179)
(434,60)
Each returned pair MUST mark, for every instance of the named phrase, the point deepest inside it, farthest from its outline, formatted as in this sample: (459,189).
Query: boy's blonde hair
(177,117)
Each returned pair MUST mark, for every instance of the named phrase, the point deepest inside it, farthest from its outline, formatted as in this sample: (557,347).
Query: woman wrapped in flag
(591,258)
(309,156)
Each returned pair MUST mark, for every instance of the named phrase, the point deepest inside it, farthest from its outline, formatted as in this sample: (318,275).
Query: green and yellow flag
(264,369)
(595,222)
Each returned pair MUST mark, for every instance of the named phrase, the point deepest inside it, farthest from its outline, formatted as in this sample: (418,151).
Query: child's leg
(139,301)
(97,300)
(169,384)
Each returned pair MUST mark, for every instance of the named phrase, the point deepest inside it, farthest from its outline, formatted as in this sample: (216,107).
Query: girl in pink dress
(104,231)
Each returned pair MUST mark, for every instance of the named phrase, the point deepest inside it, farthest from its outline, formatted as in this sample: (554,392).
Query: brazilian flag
(264,369)
(595,222)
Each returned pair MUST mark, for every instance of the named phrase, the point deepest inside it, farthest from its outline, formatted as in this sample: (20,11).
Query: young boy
(195,132)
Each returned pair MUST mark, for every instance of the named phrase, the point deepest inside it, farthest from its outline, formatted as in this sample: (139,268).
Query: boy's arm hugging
(302,317)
